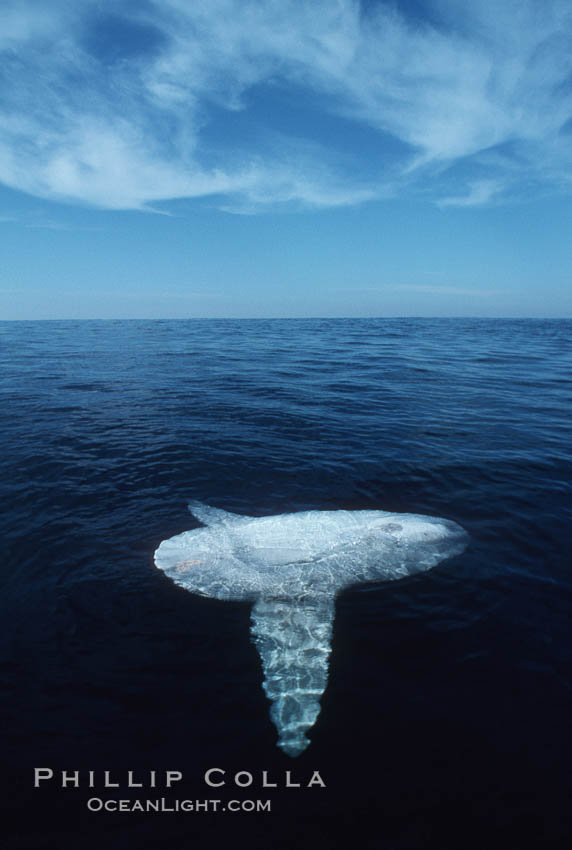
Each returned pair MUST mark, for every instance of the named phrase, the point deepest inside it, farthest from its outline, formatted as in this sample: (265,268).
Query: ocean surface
(446,721)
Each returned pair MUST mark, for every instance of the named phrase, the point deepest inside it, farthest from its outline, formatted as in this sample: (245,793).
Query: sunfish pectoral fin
(213,516)
(293,638)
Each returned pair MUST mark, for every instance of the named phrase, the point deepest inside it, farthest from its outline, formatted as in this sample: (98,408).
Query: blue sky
(179,158)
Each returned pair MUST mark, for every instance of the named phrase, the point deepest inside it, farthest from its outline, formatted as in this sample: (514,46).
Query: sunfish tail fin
(293,638)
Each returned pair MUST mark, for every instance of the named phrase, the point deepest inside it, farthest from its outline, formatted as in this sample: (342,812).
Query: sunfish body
(292,566)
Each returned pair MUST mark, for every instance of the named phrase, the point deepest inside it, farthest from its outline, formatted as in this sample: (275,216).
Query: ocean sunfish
(292,566)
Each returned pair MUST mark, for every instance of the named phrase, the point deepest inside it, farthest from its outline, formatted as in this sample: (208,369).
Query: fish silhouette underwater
(291,567)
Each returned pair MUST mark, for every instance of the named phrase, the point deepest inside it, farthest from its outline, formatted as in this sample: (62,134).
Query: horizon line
(287,318)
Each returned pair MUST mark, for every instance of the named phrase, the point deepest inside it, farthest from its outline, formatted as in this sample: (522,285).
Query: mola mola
(292,566)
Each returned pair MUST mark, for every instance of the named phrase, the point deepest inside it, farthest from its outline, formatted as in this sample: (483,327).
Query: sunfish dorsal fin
(213,516)
(293,638)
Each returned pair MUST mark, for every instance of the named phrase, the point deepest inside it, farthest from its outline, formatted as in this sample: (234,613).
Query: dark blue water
(446,722)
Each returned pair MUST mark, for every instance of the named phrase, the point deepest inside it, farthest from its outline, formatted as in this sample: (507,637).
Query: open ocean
(446,721)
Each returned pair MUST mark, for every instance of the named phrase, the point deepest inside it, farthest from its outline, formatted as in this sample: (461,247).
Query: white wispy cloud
(478,193)
(112,104)
(39,220)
